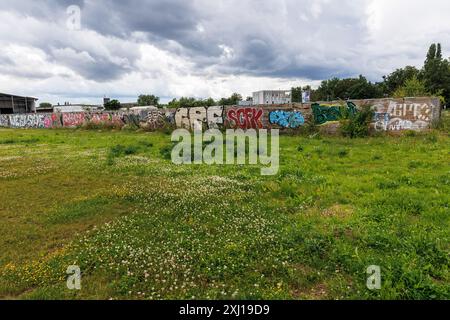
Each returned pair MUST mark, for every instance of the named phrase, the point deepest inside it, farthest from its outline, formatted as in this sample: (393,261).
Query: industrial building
(11,104)
(268,97)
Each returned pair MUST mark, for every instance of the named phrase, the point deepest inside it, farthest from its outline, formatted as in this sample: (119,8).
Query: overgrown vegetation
(357,125)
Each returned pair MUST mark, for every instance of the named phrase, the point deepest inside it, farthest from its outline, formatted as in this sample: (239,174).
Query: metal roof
(16,96)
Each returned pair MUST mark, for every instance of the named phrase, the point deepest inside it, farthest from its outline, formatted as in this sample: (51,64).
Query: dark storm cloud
(262,38)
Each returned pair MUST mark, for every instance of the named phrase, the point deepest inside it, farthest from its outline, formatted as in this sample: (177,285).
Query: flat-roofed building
(11,104)
(272,97)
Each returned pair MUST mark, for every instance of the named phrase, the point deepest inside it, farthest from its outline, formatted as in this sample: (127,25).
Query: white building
(272,97)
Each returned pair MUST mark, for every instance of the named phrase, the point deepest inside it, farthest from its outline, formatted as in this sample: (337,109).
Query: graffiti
(170,117)
(414,111)
(197,118)
(215,117)
(287,119)
(390,115)
(245,118)
(323,114)
(381,120)
(131,119)
(99,118)
(29,121)
(4,121)
(182,118)
(401,124)
(154,120)
(73,119)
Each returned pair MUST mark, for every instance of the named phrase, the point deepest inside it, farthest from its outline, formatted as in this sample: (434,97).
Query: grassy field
(142,228)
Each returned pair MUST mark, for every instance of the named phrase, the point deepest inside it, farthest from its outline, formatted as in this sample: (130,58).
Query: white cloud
(204,48)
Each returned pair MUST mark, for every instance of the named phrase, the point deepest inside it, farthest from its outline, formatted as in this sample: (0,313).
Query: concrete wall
(390,115)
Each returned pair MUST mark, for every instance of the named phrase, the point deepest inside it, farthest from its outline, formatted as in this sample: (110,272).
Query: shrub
(358,124)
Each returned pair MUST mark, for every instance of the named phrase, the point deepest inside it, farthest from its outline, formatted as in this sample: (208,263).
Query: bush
(358,124)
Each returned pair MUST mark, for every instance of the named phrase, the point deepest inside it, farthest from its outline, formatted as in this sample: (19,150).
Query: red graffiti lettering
(246,118)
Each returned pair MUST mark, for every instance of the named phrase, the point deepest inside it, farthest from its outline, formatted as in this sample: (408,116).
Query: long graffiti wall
(389,115)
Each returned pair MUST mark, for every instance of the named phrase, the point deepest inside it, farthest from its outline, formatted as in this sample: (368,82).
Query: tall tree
(436,72)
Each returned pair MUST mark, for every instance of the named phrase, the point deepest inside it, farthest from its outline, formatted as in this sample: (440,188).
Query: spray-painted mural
(34,121)
(287,119)
(325,113)
(390,115)
(404,115)
(381,120)
(4,120)
(199,118)
(245,118)
(73,119)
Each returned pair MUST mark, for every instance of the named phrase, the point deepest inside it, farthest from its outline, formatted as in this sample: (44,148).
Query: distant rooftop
(16,96)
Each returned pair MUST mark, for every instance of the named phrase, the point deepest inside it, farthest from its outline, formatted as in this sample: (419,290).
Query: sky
(82,50)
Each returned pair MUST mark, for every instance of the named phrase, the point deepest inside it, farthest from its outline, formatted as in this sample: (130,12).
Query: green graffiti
(323,114)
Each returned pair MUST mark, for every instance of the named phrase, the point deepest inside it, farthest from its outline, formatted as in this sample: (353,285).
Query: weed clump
(357,125)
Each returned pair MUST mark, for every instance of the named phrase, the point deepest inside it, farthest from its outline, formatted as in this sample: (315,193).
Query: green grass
(140,227)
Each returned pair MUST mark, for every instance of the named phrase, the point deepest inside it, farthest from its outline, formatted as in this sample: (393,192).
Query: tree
(350,88)
(112,105)
(148,100)
(209,102)
(296,94)
(191,103)
(411,88)
(436,72)
(398,78)
(45,105)
(231,101)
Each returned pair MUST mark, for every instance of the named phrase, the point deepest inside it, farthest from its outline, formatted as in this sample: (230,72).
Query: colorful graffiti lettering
(390,115)
(245,118)
(99,118)
(73,119)
(323,114)
(287,119)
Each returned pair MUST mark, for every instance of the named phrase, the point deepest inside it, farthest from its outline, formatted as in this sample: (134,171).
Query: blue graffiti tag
(287,119)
